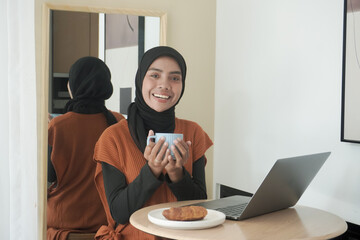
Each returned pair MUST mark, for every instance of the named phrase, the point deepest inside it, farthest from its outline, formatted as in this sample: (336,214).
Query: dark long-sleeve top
(124,199)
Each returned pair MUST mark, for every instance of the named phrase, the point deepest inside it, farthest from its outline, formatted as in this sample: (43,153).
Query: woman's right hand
(157,155)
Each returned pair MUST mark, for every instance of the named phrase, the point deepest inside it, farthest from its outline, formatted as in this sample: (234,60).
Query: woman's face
(162,84)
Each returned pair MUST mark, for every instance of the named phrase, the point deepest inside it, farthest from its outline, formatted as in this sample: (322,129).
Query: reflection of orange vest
(117,148)
(74,205)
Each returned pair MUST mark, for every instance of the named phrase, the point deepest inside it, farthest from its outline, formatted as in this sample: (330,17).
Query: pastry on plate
(186,213)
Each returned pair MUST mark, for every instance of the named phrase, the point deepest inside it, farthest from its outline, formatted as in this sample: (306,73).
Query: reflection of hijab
(142,118)
(90,85)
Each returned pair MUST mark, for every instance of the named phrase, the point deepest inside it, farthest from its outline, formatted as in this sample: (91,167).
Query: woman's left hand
(157,155)
(174,168)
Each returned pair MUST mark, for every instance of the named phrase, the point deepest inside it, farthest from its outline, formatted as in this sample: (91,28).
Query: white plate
(212,219)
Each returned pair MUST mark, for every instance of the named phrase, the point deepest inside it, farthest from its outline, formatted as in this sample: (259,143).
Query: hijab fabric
(142,118)
(90,85)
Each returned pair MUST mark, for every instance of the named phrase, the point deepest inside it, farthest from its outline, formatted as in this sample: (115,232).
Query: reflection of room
(119,40)
(72,35)
(126,39)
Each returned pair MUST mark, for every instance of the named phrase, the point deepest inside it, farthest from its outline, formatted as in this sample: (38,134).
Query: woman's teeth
(161,96)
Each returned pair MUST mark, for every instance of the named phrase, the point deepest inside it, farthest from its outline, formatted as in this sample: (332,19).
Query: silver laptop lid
(284,184)
(281,188)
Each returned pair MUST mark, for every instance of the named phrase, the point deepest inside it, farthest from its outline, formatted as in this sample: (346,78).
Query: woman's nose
(164,84)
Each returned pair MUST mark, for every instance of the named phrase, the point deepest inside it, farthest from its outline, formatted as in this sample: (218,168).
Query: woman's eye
(154,75)
(175,78)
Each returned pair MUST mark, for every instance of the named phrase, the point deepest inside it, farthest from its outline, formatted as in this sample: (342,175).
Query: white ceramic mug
(169,138)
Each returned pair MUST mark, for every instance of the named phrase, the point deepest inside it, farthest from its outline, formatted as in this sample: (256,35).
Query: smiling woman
(133,173)
(48,67)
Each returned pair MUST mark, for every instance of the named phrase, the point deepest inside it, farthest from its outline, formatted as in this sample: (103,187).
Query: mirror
(109,53)
(118,39)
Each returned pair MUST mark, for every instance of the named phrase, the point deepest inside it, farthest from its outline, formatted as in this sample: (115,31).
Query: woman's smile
(161,96)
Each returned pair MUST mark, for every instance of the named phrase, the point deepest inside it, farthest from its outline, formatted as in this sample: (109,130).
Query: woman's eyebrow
(155,69)
(159,70)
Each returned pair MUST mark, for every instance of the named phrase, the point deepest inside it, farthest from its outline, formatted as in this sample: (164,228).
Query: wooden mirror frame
(43,88)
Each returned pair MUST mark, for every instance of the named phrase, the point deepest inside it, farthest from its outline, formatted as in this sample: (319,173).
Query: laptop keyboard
(233,211)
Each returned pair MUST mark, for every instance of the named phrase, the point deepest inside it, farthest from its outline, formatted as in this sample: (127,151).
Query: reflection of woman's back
(73,202)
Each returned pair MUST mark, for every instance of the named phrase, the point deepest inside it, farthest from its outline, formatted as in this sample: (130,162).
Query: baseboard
(352,233)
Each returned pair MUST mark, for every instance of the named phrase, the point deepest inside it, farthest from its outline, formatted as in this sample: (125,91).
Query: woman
(130,174)
(73,203)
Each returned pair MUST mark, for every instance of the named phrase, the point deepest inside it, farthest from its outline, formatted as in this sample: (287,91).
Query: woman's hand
(157,155)
(175,166)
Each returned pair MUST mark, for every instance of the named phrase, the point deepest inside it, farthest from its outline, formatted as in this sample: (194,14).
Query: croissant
(187,213)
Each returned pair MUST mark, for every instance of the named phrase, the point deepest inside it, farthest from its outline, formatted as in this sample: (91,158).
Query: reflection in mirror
(127,37)
(118,39)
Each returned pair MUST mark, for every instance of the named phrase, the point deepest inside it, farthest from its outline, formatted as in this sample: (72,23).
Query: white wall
(4,129)
(278,94)
(18,128)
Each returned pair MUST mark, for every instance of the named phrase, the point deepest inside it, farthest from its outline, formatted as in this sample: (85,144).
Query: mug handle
(148,139)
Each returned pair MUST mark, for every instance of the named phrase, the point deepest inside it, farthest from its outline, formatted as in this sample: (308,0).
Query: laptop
(281,188)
